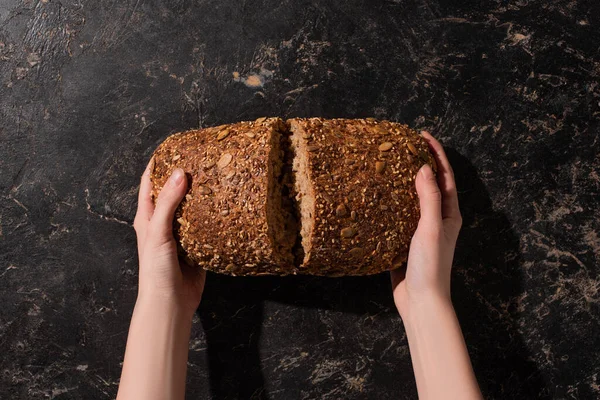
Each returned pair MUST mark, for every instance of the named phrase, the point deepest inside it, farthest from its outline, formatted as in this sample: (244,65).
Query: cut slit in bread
(304,193)
(281,215)
(291,201)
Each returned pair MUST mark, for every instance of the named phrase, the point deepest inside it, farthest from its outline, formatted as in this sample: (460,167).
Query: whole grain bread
(312,196)
(356,192)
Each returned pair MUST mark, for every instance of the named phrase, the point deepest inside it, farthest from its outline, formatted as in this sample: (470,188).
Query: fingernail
(426,171)
(176,177)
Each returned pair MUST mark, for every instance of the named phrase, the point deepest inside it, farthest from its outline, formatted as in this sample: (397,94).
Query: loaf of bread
(312,196)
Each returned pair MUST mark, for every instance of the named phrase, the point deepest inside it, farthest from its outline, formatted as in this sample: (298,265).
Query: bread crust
(366,206)
(221,224)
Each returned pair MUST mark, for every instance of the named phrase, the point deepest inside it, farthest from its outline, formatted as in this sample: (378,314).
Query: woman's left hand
(162,276)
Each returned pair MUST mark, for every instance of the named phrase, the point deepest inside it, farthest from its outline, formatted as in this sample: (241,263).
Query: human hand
(162,276)
(169,293)
(427,274)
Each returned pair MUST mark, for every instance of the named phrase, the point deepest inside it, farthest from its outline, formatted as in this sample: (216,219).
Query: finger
(145,205)
(446,182)
(430,197)
(168,199)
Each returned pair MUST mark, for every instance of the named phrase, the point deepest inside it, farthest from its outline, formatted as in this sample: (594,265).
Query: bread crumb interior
(304,192)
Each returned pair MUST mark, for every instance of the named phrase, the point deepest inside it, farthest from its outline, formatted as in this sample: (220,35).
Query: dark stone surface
(89,89)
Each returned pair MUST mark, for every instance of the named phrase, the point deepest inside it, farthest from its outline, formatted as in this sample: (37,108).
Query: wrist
(162,307)
(425,306)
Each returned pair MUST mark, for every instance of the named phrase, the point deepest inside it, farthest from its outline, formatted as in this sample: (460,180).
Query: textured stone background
(88,90)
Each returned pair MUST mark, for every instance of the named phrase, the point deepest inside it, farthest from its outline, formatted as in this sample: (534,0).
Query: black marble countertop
(89,89)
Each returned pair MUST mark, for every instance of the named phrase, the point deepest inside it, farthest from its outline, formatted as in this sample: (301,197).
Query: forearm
(439,355)
(156,354)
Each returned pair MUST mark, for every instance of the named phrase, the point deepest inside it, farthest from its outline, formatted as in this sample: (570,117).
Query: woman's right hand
(438,351)
(427,274)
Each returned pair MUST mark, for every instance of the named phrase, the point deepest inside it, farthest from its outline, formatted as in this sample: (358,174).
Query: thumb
(168,199)
(430,197)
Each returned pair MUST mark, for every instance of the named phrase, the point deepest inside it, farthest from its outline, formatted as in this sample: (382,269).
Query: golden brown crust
(221,223)
(362,172)
(366,203)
